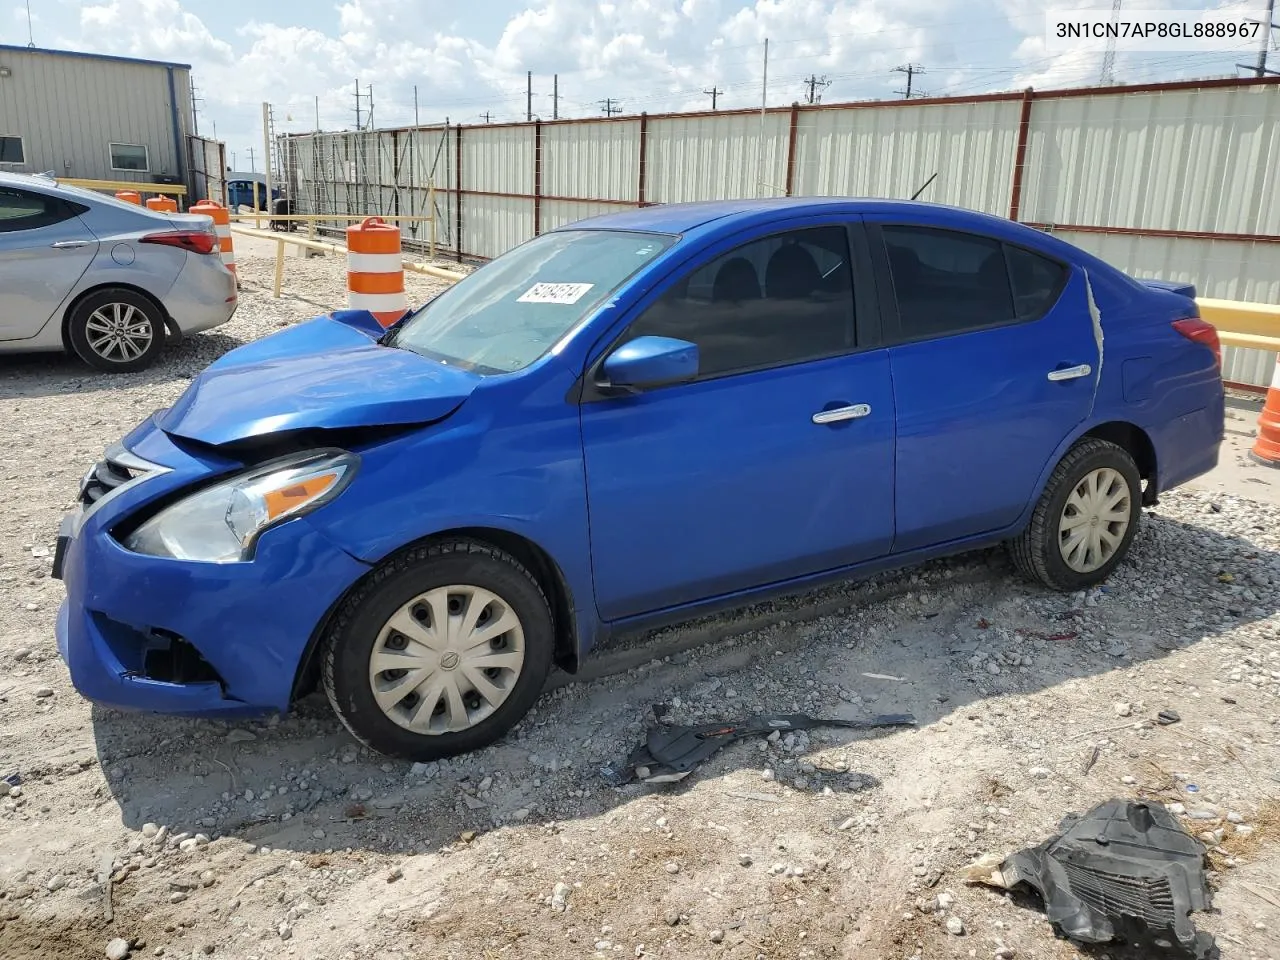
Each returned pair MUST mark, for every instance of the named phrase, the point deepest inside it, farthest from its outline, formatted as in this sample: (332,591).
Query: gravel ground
(282,838)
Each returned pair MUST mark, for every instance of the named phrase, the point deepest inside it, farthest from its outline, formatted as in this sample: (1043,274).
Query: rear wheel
(116,330)
(1085,520)
(442,652)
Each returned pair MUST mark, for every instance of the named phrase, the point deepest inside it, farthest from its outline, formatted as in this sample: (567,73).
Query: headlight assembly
(221,523)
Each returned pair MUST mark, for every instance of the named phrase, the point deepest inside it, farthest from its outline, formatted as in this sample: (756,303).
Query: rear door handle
(851,412)
(1070,373)
(69,244)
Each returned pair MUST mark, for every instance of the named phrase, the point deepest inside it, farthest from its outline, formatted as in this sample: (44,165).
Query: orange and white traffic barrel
(162,204)
(375,270)
(1266,449)
(222,226)
(129,196)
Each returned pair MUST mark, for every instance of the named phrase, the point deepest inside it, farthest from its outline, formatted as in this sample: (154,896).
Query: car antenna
(925,187)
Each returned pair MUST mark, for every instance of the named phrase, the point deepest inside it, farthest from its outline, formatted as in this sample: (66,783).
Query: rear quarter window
(1037,282)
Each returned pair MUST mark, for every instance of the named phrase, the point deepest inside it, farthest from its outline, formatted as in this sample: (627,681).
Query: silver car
(107,280)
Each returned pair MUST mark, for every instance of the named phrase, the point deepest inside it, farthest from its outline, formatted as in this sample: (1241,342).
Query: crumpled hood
(323,374)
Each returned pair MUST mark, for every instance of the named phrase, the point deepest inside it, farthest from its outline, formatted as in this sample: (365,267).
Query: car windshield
(511,311)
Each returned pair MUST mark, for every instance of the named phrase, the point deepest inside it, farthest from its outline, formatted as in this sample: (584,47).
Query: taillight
(197,241)
(1193,328)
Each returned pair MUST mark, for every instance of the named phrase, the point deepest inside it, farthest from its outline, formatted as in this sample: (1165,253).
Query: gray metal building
(91,116)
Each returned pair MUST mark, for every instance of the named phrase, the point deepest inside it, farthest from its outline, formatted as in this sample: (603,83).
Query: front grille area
(1148,898)
(102,479)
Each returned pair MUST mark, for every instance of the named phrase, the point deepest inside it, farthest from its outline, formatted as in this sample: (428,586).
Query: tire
(406,592)
(116,330)
(1092,467)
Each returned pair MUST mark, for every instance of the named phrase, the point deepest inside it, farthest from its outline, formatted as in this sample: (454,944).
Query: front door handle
(851,412)
(1070,373)
(69,244)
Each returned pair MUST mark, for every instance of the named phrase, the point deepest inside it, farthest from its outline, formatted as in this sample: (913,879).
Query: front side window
(11,150)
(26,210)
(511,311)
(782,299)
(947,282)
(129,156)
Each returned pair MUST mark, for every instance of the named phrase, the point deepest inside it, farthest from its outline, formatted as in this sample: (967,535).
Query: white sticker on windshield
(554,293)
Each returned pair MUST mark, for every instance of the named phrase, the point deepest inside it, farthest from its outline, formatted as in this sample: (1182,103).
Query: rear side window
(947,282)
(26,210)
(1037,282)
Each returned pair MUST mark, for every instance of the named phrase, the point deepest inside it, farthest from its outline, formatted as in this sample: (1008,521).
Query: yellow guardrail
(305,243)
(1241,323)
(172,189)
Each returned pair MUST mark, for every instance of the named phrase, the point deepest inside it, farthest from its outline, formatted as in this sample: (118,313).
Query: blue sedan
(627,421)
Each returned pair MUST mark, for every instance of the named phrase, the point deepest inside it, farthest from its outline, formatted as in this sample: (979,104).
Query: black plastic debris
(670,753)
(1123,871)
(1167,717)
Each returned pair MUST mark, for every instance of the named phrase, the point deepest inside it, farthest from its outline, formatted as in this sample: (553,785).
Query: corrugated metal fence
(1179,181)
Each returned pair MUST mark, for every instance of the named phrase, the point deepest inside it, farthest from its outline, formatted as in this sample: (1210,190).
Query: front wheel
(441,652)
(1085,520)
(116,330)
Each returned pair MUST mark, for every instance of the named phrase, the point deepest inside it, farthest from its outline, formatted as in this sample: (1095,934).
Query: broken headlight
(221,523)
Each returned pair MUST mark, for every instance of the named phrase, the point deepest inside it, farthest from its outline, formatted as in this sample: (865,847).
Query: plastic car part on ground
(670,753)
(1123,871)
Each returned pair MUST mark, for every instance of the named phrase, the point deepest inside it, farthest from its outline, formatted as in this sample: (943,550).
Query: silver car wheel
(1094,520)
(118,332)
(447,659)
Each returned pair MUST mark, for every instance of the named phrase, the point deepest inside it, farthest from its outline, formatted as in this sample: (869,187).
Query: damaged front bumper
(183,637)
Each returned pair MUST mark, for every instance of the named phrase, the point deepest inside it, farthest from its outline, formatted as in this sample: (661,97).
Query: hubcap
(118,332)
(1094,520)
(447,659)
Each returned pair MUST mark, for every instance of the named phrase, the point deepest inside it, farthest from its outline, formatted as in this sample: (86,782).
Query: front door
(776,463)
(995,365)
(45,249)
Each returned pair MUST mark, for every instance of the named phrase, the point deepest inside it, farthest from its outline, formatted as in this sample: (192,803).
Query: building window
(129,156)
(11,150)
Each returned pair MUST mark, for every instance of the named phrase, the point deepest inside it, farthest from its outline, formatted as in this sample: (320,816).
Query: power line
(610,106)
(813,83)
(910,70)
(713,93)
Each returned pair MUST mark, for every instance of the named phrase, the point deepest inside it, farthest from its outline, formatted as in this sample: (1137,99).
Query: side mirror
(652,362)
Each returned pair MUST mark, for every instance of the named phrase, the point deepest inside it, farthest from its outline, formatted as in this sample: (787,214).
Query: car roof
(27,180)
(682,217)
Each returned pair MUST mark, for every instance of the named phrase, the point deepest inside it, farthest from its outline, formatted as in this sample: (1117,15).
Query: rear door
(995,362)
(777,462)
(45,249)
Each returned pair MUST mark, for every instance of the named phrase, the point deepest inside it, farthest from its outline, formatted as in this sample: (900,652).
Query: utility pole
(609,106)
(485,116)
(195,109)
(813,83)
(555,97)
(317,113)
(528,97)
(910,70)
(415,105)
(1107,75)
(1260,70)
(764,99)
(358,127)
(253,167)
(713,93)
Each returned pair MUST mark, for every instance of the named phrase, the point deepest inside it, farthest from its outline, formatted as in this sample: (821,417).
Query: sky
(469,60)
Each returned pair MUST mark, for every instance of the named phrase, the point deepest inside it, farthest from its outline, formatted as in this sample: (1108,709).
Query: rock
(56,883)
(993,667)
(424,770)
(744,859)
(1005,953)
(560,897)
(43,693)
(117,949)
(22,654)
(1129,780)
(1124,709)
(485,784)
(767,774)
(241,736)
(177,896)
(946,901)
(186,846)
(955,926)
(285,931)
(673,918)
(14,792)
(39,551)
(672,867)
(717,936)
(1234,817)
(161,836)
(522,814)
(604,945)
(149,830)
(847,824)
(394,874)
(1040,773)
